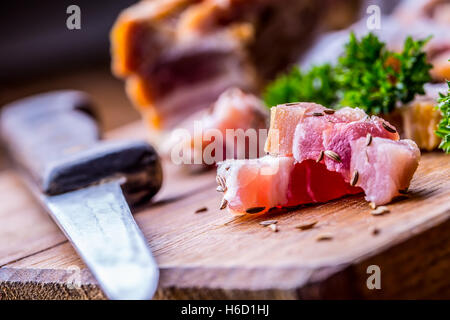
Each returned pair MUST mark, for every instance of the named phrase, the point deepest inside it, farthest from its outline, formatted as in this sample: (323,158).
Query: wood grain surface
(212,254)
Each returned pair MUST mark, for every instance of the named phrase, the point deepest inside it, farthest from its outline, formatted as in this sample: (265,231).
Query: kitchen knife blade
(98,222)
(86,186)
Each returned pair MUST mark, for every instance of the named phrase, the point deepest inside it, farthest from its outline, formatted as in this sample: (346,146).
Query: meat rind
(283,121)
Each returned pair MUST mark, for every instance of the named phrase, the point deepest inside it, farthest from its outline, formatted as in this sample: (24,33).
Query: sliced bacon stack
(178,56)
(316,155)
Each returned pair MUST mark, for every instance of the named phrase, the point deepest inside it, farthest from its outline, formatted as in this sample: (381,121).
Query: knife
(86,186)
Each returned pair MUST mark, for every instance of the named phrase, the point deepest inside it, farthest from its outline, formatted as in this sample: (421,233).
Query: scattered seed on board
(372,205)
(221,182)
(306,226)
(324,237)
(354,179)
(374,230)
(223,204)
(255,210)
(202,209)
(291,103)
(329,111)
(332,155)
(268,222)
(273,227)
(318,114)
(320,157)
(379,211)
(388,127)
(368,139)
(220,189)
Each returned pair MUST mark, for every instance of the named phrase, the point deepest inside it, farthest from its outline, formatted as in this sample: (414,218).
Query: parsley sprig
(367,76)
(318,85)
(443,130)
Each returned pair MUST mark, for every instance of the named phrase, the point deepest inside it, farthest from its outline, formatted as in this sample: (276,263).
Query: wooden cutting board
(212,254)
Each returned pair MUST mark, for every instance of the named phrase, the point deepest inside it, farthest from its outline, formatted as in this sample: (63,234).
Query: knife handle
(54,137)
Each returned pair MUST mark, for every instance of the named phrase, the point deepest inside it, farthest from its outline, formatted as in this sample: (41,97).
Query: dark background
(38,53)
(35,39)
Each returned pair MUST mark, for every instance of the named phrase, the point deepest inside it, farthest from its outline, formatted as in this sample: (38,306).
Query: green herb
(367,76)
(443,130)
(376,79)
(317,85)
(363,75)
(414,69)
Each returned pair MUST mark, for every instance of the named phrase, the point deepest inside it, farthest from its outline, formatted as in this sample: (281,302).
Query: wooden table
(215,255)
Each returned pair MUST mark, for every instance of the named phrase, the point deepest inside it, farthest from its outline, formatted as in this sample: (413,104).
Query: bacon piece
(174,52)
(236,118)
(366,155)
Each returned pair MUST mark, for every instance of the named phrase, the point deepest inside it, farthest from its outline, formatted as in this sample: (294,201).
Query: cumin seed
(354,179)
(318,114)
(380,210)
(329,111)
(368,139)
(374,230)
(255,210)
(388,127)
(320,157)
(223,204)
(202,209)
(268,222)
(324,237)
(306,226)
(333,155)
(221,181)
